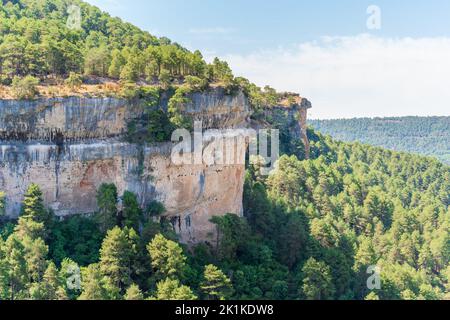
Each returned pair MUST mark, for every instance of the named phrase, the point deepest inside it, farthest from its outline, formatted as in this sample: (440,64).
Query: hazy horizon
(375,118)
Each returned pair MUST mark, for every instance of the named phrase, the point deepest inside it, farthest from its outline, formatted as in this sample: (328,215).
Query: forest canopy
(311,230)
(429,136)
(37,45)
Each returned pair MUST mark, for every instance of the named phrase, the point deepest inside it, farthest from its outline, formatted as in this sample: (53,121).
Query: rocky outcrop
(292,123)
(80,119)
(70,177)
(70,146)
(301,124)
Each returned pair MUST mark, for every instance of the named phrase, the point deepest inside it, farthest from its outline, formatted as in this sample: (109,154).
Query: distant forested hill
(428,136)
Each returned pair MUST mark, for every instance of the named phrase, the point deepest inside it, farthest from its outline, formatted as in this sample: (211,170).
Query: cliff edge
(70,146)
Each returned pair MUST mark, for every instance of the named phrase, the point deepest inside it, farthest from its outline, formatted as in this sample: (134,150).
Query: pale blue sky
(397,70)
(241,26)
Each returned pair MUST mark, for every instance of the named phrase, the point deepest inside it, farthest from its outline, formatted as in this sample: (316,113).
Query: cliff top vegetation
(61,47)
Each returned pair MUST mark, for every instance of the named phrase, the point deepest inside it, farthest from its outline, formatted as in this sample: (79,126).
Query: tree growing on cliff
(131,213)
(196,83)
(2,203)
(117,63)
(97,61)
(165,79)
(176,108)
(219,71)
(107,206)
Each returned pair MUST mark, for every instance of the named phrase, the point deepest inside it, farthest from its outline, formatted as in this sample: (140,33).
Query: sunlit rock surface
(70,146)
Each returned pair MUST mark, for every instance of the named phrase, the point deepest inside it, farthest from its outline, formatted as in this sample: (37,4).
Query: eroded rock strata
(70,146)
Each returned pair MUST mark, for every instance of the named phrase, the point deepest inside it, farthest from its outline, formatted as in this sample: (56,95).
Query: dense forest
(311,231)
(429,136)
(36,41)
(39,46)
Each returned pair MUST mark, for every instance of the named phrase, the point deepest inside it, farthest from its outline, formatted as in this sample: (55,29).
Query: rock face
(70,146)
(292,123)
(300,114)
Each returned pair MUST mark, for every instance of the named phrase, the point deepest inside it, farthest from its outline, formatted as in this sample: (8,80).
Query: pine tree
(97,61)
(33,205)
(117,63)
(93,284)
(171,289)
(317,281)
(29,228)
(50,287)
(74,81)
(35,220)
(167,257)
(15,279)
(107,206)
(36,252)
(216,285)
(117,255)
(132,213)
(134,293)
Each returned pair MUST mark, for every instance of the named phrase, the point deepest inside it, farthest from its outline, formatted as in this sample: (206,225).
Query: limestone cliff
(291,120)
(70,146)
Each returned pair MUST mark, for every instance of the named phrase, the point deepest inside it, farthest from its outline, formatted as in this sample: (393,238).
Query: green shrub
(165,79)
(176,107)
(129,91)
(74,80)
(155,209)
(129,74)
(154,124)
(2,203)
(150,95)
(153,127)
(5,80)
(196,83)
(159,128)
(25,88)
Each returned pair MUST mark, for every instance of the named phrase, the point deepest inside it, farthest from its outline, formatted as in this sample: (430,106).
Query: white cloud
(358,76)
(215,30)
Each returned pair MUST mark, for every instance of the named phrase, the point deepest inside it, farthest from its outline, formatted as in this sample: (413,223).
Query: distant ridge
(428,136)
